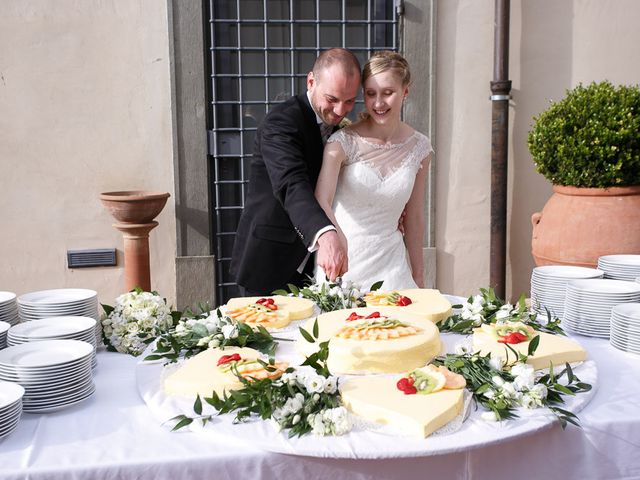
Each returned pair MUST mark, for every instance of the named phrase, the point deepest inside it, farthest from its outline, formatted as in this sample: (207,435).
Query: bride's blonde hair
(382,61)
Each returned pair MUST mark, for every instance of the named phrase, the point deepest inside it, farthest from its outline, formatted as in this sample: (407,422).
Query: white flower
(508,390)
(489,416)
(215,343)
(489,393)
(293,404)
(504,311)
(314,383)
(522,369)
(539,391)
(524,382)
(330,385)
(462,348)
(229,331)
(497,380)
(497,363)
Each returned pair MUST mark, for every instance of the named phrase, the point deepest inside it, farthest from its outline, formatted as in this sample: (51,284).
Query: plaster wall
(84,108)
(553,46)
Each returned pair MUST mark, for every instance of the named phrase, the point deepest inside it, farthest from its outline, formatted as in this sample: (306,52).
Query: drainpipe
(500,89)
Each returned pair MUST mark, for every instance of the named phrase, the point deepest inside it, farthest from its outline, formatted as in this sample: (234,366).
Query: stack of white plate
(4,328)
(59,302)
(8,308)
(620,267)
(548,286)
(625,327)
(589,303)
(10,407)
(54,328)
(54,373)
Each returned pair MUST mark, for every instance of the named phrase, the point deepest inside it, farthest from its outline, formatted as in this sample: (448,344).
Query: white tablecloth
(114,435)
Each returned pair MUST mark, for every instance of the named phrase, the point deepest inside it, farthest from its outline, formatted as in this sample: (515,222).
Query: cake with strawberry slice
(427,303)
(416,404)
(364,340)
(552,349)
(214,370)
(275,311)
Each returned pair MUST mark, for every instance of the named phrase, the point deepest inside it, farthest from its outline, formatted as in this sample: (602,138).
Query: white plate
(47,353)
(56,372)
(9,393)
(57,296)
(567,271)
(54,327)
(4,327)
(621,259)
(6,297)
(604,286)
(55,406)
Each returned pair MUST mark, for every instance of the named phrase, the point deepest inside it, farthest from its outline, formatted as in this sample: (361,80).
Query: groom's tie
(325,131)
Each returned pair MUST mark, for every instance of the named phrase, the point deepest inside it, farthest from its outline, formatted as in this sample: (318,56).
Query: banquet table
(114,435)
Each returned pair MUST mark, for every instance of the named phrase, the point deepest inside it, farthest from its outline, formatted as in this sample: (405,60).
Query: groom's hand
(331,255)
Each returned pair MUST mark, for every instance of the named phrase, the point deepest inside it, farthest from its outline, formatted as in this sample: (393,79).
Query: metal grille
(260,53)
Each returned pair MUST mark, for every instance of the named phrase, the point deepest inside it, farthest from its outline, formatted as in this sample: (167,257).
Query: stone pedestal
(135,211)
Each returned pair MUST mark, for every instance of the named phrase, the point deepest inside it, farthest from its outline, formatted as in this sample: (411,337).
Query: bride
(372,170)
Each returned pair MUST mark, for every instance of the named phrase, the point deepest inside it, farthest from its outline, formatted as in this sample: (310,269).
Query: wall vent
(97,257)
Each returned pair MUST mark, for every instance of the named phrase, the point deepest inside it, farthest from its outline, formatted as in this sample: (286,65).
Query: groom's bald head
(341,57)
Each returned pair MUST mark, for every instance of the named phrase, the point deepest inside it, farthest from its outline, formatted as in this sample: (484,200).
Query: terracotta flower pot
(578,225)
(134,206)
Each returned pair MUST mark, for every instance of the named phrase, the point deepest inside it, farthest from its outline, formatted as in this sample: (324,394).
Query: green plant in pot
(588,146)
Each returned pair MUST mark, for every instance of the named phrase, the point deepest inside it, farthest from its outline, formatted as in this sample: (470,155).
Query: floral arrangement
(500,386)
(302,400)
(487,308)
(330,296)
(197,332)
(137,318)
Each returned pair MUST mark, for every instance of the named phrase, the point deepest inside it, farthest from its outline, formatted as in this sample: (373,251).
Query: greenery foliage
(590,138)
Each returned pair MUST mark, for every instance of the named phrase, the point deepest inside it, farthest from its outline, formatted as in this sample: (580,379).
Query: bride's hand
(332,255)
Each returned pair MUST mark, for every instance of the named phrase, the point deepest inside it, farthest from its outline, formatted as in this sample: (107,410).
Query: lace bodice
(374,186)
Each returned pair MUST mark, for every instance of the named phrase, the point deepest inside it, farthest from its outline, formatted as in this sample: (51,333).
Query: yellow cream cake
(211,371)
(259,310)
(422,302)
(384,400)
(382,344)
(552,349)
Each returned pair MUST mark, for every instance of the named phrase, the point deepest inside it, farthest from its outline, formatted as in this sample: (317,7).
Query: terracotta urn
(134,206)
(578,225)
(135,210)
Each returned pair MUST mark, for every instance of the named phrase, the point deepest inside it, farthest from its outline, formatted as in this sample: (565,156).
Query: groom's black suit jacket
(281,215)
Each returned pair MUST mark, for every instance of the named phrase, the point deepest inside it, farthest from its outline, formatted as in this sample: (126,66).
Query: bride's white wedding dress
(374,186)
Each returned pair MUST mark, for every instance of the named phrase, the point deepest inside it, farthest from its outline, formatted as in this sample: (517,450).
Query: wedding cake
(417,404)
(213,371)
(275,311)
(552,349)
(363,340)
(421,302)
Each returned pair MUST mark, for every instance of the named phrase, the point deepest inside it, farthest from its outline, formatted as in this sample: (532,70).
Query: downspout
(500,95)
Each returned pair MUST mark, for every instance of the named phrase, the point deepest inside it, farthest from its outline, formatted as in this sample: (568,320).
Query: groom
(282,223)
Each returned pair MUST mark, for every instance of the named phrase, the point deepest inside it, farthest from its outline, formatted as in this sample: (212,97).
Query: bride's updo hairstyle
(382,61)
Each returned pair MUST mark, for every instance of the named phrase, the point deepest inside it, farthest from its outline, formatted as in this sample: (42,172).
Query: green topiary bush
(591,138)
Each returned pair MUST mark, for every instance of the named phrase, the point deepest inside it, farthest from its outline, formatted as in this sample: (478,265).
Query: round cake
(383,343)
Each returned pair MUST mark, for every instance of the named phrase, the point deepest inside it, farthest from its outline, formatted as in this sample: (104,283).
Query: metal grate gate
(260,53)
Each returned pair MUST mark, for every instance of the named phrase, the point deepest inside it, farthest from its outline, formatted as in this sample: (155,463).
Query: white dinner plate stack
(625,327)
(4,330)
(10,407)
(548,286)
(60,302)
(620,267)
(9,308)
(589,303)
(55,328)
(55,374)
